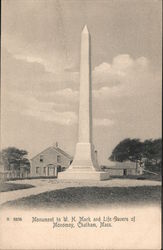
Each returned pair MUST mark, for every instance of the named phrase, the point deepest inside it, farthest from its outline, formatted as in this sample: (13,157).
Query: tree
(135,150)
(128,149)
(12,158)
(147,149)
(152,150)
(157,150)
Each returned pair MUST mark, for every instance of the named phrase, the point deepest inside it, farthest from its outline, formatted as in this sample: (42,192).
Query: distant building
(125,168)
(49,162)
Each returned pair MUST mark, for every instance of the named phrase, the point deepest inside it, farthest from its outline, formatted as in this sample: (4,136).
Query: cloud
(61,118)
(51,97)
(67,93)
(31,59)
(104,122)
(25,104)
(131,89)
(106,92)
(30,76)
(44,111)
(124,77)
(50,65)
(63,97)
(53,61)
(122,65)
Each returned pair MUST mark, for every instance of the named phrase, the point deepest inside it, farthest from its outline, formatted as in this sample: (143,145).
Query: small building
(125,168)
(49,162)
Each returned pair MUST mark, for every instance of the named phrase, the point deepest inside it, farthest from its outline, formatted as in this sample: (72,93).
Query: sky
(40,49)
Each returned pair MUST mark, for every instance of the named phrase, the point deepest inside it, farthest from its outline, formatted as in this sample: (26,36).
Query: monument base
(83,175)
(84,165)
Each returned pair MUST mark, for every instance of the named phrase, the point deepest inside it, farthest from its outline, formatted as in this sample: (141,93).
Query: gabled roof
(64,153)
(57,149)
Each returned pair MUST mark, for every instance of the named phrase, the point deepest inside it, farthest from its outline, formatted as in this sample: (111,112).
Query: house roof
(64,153)
(57,149)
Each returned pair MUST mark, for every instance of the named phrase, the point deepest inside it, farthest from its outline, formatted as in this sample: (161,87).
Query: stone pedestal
(84,166)
(83,175)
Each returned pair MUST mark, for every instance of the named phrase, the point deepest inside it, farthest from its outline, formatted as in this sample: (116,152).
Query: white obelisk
(84,165)
(84,155)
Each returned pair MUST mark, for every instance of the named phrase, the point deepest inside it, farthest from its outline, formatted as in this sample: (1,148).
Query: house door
(125,172)
(51,170)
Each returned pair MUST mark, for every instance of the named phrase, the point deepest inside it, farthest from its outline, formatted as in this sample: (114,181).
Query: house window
(44,170)
(41,158)
(58,158)
(58,168)
(37,170)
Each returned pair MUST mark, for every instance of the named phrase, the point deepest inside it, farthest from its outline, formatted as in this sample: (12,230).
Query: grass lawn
(5,187)
(85,197)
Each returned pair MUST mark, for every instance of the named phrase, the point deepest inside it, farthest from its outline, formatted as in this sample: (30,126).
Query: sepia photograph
(81,119)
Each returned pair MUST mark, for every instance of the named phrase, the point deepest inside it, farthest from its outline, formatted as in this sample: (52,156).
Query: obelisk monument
(84,165)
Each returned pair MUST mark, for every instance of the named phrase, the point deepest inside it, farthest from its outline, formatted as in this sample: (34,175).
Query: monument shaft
(84,155)
(85,103)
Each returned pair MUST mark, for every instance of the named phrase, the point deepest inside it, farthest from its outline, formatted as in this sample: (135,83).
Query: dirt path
(44,185)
